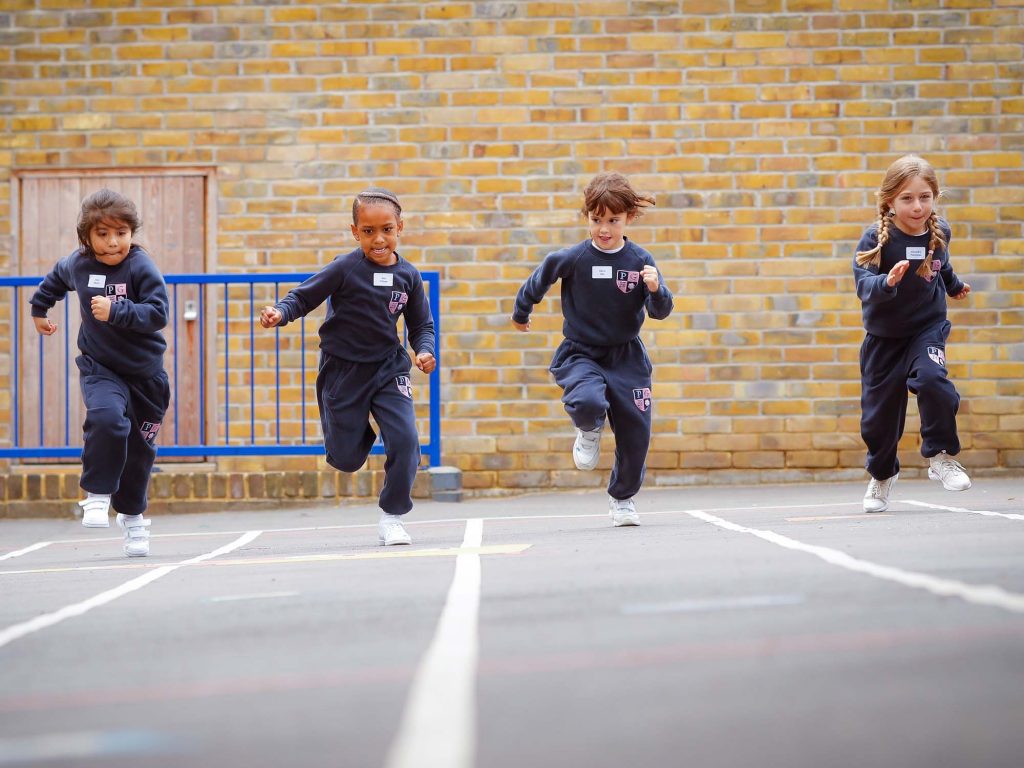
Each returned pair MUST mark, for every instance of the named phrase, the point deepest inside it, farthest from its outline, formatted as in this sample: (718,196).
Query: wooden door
(172,208)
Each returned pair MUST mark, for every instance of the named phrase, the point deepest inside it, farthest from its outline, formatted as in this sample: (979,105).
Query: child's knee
(107,421)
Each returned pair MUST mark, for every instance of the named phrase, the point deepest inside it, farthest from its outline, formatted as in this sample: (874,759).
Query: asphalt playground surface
(737,626)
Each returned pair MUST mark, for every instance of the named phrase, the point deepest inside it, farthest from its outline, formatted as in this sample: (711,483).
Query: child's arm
(955,287)
(659,298)
(555,265)
(872,287)
(420,325)
(55,286)
(304,298)
(147,313)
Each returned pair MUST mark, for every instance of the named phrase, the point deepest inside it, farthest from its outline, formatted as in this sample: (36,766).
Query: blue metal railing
(233,395)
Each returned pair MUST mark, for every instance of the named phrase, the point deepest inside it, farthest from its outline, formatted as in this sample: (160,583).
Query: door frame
(210,195)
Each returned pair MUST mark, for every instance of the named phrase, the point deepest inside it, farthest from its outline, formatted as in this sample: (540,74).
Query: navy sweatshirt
(130,342)
(603,295)
(364,301)
(913,304)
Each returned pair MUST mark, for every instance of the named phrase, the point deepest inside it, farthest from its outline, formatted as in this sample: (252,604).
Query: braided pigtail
(874,256)
(937,241)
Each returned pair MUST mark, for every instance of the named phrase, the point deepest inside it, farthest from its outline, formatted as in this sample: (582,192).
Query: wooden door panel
(172,208)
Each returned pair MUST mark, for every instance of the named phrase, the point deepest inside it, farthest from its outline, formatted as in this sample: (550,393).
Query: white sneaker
(877,497)
(587,448)
(95,510)
(623,512)
(390,531)
(949,472)
(136,534)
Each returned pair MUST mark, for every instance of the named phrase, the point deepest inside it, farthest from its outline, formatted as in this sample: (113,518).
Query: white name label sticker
(97,281)
(601,272)
(386,278)
(916,253)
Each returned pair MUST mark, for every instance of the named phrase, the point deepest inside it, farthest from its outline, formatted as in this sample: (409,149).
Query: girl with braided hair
(364,367)
(903,275)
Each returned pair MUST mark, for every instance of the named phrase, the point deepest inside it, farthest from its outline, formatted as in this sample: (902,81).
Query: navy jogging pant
(612,382)
(348,393)
(122,418)
(889,367)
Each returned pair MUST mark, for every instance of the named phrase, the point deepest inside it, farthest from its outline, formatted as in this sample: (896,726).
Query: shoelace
(877,488)
(950,465)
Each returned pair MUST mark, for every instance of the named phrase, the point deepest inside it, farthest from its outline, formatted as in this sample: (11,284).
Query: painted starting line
(438,725)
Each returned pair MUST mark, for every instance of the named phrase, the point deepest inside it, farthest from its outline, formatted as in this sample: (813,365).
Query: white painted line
(438,726)
(26,550)
(713,604)
(259,596)
(447,520)
(77,609)
(1007,515)
(988,595)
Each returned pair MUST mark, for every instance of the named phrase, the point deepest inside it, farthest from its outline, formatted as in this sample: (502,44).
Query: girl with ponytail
(904,313)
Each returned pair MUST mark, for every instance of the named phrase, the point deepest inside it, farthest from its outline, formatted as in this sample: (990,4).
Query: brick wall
(761,126)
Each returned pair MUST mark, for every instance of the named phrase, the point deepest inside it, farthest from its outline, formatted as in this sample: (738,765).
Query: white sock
(91,495)
(386,518)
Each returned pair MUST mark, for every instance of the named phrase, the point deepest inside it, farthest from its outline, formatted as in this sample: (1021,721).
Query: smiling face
(607,228)
(913,206)
(377,231)
(111,240)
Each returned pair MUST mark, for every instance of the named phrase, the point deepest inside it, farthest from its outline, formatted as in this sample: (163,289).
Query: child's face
(913,206)
(110,241)
(377,231)
(607,228)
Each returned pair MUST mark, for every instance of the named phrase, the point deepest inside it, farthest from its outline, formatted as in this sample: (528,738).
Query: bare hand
(426,362)
(101,308)
(270,316)
(897,272)
(524,327)
(963,292)
(44,326)
(650,278)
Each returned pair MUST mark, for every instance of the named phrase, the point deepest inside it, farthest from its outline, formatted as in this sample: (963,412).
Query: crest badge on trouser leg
(404,385)
(937,354)
(642,397)
(149,430)
(626,280)
(398,301)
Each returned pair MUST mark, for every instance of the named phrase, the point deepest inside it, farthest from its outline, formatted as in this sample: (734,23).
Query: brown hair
(612,192)
(900,172)
(375,196)
(105,206)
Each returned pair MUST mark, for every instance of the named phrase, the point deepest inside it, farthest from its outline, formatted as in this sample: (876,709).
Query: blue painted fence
(232,302)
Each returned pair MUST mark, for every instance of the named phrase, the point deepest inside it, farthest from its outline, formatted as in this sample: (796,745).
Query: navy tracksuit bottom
(612,382)
(348,393)
(889,367)
(122,418)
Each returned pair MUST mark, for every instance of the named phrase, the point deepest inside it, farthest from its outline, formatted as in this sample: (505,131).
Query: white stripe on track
(987,595)
(26,550)
(439,723)
(77,609)
(1007,515)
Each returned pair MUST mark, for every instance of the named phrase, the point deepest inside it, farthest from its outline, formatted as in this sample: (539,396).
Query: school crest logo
(937,354)
(642,397)
(117,291)
(626,280)
(398,301)
(404,386)
(150,429)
